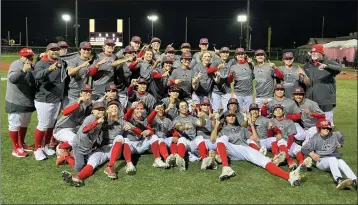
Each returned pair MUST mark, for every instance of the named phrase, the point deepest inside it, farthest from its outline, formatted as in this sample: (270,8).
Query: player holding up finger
(141,94)
(172,102)
(160,77)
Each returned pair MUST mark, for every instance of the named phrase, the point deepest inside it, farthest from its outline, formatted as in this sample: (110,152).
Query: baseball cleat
(48,151)
(19,153)
(295,177)
(307,163)
(67,177)
(59,151)
(170,161)
(61,158)
(130,169)
(263,150)
(180,162)
(39,154)
(158,163)
(227,173)
(278,159)
(207,162)
(77,182)
(292,166)
(111,172)
(354,184)
(27,148)
(343,183)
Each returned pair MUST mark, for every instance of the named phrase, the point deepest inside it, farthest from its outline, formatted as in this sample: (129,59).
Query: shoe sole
(226,177)
(67,177)
(344,184)
(18,156)
(110,176)
(28,150)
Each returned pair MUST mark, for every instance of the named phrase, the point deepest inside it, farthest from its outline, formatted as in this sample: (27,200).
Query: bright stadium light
(152,18)
(66,18)
(241,19)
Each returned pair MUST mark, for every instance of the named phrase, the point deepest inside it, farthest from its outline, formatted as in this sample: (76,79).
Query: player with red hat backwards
(19,100)
(323,148)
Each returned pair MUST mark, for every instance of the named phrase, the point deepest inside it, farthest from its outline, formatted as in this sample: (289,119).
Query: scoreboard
(97,38)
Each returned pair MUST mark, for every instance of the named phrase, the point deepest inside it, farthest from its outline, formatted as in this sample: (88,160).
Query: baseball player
(141,94)
(160,77)
(293,76)
(83,146)
(139,139)
(135,44)
(155,45)
(243,79)
(323,148)
(111,93)
(64,46)
(182,77)
(221,89)
(184,48)
(163,128)
(50,76)
(197,57)
(145,66)
(264,74)
(72,117)
(232,142)
(172,102)
(19,100)
(234,107)
(187,126)
(310,113)
(79,70)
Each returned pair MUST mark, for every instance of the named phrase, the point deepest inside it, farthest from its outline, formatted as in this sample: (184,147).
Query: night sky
(291,21)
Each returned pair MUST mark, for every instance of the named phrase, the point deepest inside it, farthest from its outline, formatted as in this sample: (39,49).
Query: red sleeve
(294,117)
(263,111)
(151,130)
(279,74)
(276,130)
(128,114)
(290,141)
(71,108)
(174,133)
(137,131)
(132,66)
(90,127)
(230,78)
(212,70)
(156,75)
(92,71)
(318,116)
(151,116)
(270,133)
(171,82)
(140,54)
(130,91)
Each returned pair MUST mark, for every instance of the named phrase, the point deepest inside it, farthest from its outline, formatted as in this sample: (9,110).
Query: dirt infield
(343,75)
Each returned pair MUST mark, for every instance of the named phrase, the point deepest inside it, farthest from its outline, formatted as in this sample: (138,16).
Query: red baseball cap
(136,39)
(85,45)
(254,106)
(204,41)
(111,86)
(185,45)
(98,105)
(323,123)
(26,52)
(224,50)
(279,87)
(186,55)
(86,87)
(260,51)
(299,90)
(62,44)
(239,50)
(109,42)
(287,55)
(318,48)
(169,49)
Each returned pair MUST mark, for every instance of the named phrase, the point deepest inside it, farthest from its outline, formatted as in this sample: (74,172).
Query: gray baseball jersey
(172,113)
(237,135)
(110,129)
(196,58)
(309,121)
(162,127)
(79,79)
(261,125)
(291,80)
(324,146)
(147,99)
(159,86)
(205,131)
(223,86)
(84,142)
(140,124)
(289,106)
(286,126)
(75,119)
(185,76)
(264,77)
(239,117)
(123,77)
(145,70)
(205,81)
(188,121)
(243,85)
(105,73)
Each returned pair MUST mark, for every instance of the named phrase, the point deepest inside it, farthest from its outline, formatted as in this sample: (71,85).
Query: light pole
(66,18)
(241,19)
(152,18)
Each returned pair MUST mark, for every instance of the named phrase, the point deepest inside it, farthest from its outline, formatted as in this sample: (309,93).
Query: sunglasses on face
(55,49)
(288,59)
(87,49)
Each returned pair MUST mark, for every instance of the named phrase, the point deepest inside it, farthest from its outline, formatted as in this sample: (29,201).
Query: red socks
(173,148)
(300,157)
(181,150)
(127,153)
(222,153)
(64,145)
(22,134)
(13,136)
(273,169)
(39,135)
(70,161)
(48,135)
(85,172)
(274,148)
(155,149)
(253,145)
(116,150)
(288,158)
(163,150)
(203,151)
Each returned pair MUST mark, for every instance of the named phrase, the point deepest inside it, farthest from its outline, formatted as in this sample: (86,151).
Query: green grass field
(29,181)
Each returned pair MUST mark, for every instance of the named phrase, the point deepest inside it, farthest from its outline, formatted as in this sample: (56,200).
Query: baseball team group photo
(105,118)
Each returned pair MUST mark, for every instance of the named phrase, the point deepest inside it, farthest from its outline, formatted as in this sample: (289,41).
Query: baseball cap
(53,46)
(287,55)
(155,39)
(136,39)
(62,44)
(111,86)
(260,51)
(298,90)
(114,102)
(227,113)
(185,45)
(168,60)
(98,105)
(109,42)
(279,87)
(318,48)
(85,45)
(205,101)
(323,123)
(174,88)
(186,55)
(142,81)
(224,49)
(87,87)
(26,52)
(253,106)
(233,101)
(203,41)
(239,50)
(169,49)
(277,106)
(128,49)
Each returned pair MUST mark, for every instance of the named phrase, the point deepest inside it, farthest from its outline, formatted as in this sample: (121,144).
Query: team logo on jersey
(327,147)
(185,75)
(280,127)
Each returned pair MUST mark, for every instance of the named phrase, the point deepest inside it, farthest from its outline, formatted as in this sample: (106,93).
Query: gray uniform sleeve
(291,128)
(246,133)
(315,108)
(16,75)
(308,147)
(340,137)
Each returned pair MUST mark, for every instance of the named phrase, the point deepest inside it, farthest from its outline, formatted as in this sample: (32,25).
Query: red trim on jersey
(140,54)
(290,141)
(211,70)
(90,126)
(171,82)
(70,109)
(156,75)
(137,131)
(230,78)
(294,117)
(279,74)
(263,111)
(151,116)
(132,66)
(241,62)
(317,115)
(128,114)
(92,71)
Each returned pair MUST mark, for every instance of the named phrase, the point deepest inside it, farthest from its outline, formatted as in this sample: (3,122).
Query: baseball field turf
(25,181)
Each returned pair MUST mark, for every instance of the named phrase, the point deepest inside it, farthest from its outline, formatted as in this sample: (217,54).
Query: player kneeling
(323,149)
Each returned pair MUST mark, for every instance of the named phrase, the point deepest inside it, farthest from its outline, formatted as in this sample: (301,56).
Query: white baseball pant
(65,134)
(294,149)
(139,147)
(47,114)
(167,140)
(245,153)
(260,101)
(17,120)
(244,101)
(218,100)
(209,144)
(263,142)
(300,132)
(335,166)
(191,148)
(309,134)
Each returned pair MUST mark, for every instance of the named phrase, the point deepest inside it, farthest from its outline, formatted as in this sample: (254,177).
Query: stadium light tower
(241,19)
(152,18)
(66,18)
